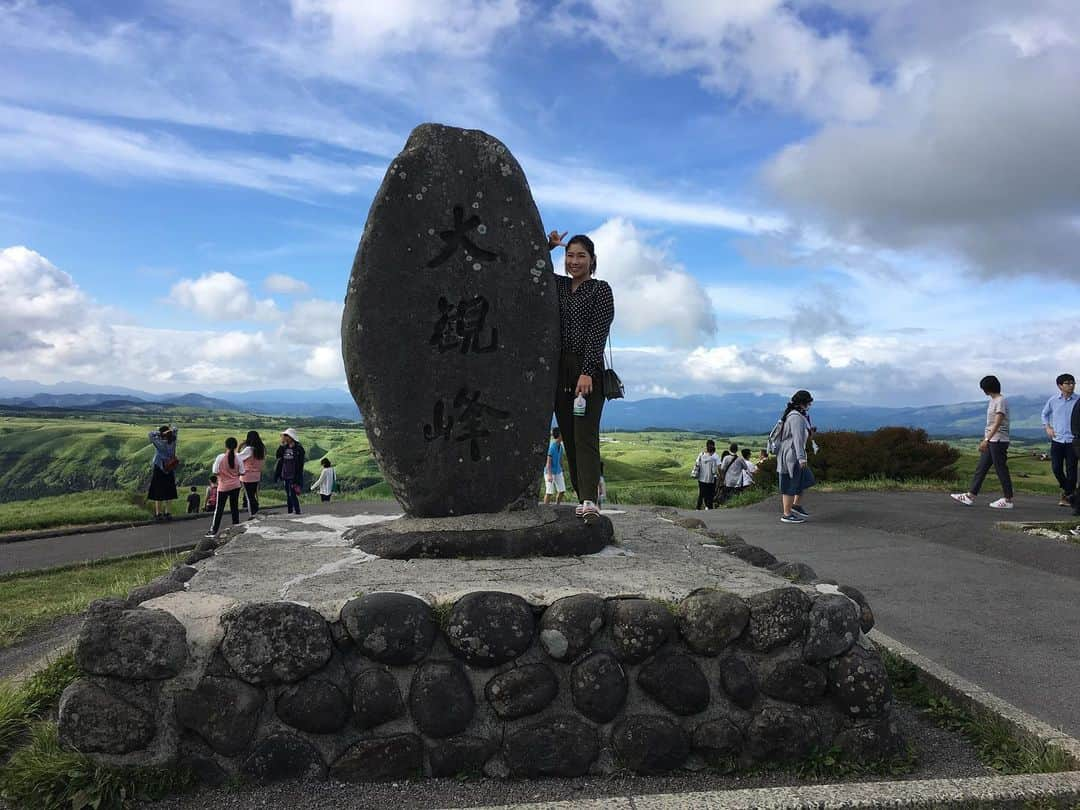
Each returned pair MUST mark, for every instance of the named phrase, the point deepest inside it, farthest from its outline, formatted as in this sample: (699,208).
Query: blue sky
(875,201)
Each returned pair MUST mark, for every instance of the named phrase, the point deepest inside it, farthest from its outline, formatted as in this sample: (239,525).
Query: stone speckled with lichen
(450,329)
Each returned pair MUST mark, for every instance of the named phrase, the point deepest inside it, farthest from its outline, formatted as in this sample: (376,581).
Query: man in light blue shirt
(1056,417)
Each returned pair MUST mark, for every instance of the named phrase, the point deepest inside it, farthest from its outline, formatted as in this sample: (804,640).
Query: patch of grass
(41,691)
(43,776)
(21,704)
(994,741)
(75,509)
(442,613)
(13,719)
(35,598)
(833,763)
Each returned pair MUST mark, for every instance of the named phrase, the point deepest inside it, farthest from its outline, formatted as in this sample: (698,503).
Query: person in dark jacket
(290,468)
(586,311)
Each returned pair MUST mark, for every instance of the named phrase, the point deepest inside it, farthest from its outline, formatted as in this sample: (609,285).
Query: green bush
(892,453)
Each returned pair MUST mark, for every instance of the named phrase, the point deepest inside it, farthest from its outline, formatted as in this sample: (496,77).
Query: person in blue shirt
(1057,422)
(554,480)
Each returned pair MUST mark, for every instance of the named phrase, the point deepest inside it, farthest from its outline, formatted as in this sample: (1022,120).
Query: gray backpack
(776,435)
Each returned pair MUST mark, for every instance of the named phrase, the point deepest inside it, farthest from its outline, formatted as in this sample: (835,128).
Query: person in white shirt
(326,481)
(707,465)
(747,479)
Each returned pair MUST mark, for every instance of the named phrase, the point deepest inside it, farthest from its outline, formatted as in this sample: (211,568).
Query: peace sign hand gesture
(555,239)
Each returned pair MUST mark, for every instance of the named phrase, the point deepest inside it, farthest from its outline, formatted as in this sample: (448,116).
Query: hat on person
(291,434)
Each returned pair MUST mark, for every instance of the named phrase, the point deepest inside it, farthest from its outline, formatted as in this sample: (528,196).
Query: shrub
(894,453)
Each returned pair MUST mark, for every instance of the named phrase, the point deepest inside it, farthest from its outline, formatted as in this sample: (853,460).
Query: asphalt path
(1000,608)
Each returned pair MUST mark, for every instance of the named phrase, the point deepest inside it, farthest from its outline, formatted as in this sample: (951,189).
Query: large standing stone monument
(450,331)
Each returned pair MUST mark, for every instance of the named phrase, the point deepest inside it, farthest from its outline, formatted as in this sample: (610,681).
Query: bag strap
(610,358)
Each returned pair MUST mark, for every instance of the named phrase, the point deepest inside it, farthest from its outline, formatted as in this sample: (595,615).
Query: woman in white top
(327,479)
(228,467)
(253,455)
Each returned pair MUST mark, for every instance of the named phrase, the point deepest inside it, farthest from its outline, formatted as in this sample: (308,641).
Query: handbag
(170,464)
(613,386)
(696,471)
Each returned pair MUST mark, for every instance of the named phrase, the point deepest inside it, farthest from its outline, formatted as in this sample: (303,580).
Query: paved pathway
(1000,608)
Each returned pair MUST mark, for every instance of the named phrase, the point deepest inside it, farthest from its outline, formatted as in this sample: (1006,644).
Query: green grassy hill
(63,454)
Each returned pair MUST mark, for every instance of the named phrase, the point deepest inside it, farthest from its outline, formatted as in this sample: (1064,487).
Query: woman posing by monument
(290,468)
(163,471)
(253,454)
(586,310)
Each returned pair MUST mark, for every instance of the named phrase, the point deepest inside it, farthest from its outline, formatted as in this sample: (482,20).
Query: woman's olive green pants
(581,434)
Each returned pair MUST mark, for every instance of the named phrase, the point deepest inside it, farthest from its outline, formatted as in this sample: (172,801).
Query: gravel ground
(942,754)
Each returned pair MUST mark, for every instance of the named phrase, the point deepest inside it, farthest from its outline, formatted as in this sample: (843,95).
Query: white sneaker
(1001,503)
(589,511)
(579,510)
(964,498)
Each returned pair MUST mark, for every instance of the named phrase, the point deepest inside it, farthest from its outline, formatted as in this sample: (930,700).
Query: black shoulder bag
(613,386)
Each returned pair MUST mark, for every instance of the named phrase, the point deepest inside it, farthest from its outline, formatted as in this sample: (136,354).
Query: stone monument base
(291,654)
(548,532)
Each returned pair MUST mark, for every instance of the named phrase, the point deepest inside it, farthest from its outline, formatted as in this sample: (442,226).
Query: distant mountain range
(726,414)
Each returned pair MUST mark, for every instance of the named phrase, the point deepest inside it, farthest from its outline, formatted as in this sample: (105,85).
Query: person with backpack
(229,468)
(733,476)
(705,471)
(726,460)
(795,474)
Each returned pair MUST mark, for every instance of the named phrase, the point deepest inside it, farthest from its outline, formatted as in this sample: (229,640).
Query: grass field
(35,598)
(71,471)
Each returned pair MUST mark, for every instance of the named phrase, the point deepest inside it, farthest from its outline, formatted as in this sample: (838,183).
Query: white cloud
(30,139)
(222,296)
(579,188)
(313,322)
(761,51)
(325,362)
(971,153)
(652,291)
(374,28)
(37,293)
(286,285)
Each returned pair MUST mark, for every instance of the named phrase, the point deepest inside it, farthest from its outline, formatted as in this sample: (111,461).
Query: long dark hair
(255,442)
(799,400)
(230,445)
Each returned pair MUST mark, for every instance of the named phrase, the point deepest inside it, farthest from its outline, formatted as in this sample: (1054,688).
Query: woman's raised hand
(555,239)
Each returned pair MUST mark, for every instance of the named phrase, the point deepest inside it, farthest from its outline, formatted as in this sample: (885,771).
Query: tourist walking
(794,472)
(554,479)
(586,311)
(193,501)
(326,481)
(290,468)
(1057,422)
(163,470)
(228,467)
(253,454)
(705,470)
(993,449)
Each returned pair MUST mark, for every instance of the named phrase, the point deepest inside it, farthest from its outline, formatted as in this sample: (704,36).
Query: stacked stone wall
(394,688)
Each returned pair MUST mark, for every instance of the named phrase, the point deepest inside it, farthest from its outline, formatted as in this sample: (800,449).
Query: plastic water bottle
(579,405)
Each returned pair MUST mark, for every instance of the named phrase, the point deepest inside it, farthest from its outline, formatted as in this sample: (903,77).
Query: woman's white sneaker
(964,498)
(589,511)
(1001,503)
